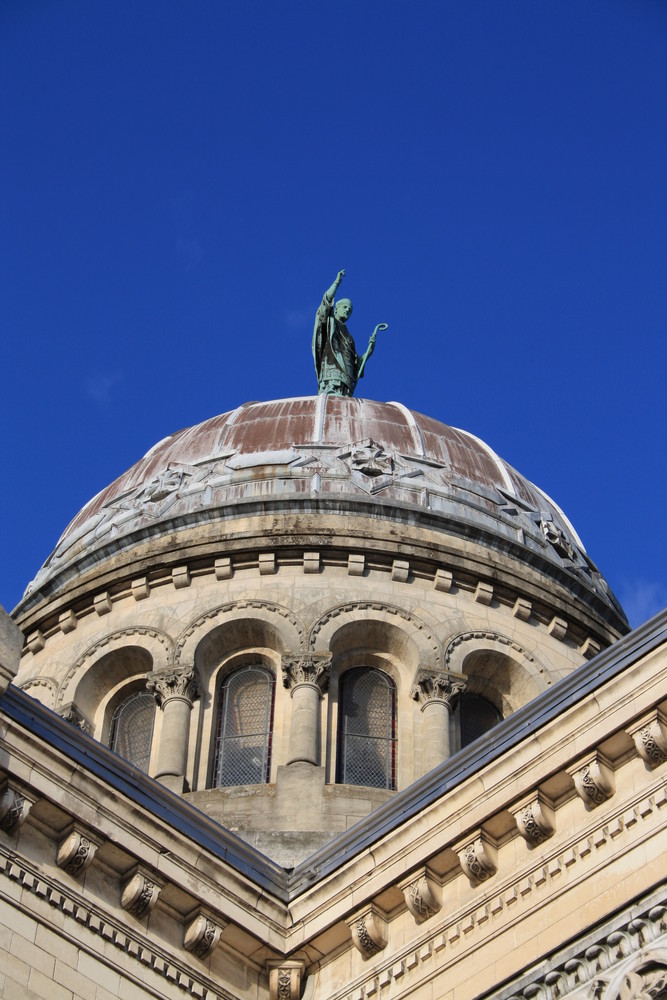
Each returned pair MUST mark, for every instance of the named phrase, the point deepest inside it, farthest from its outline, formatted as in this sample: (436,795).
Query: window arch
(477,715)
(367,729)
(131,731)
(244,731)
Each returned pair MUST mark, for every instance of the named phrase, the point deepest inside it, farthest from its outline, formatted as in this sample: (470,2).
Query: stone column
(437,691)
(307,674)
(175,692)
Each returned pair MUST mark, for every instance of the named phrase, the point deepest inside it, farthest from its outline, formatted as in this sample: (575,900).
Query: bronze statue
(337,363)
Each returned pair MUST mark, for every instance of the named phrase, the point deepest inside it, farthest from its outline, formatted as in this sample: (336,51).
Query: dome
(329,454)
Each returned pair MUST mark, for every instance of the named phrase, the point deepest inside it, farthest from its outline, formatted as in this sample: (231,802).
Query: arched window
(367,729)
(245,728)
(131,732)
(477,716)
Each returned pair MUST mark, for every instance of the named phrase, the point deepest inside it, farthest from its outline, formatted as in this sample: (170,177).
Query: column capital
(437,685)
(180,683)
(306,668)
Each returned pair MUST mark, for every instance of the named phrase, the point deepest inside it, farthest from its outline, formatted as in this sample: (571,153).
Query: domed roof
(317,449)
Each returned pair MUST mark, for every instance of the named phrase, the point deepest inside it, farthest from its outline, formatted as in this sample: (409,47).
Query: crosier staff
(371,347)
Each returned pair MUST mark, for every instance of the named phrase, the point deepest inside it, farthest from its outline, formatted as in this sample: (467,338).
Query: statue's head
(343,310)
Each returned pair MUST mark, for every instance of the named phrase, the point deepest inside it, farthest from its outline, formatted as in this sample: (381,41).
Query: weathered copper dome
(324,453)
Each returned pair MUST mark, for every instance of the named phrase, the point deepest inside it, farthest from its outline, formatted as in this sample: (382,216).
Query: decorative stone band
(75,852)
(478,856)
(423,894)
(306,668)
(170,684)
(593,779)
(535,818)
(649,734)
(140,893)
(70,713)
(14,808)
(202,935)
(285,979)
(369,930)
(438,685)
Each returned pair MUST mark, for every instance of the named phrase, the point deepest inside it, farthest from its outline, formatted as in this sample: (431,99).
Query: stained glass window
(245,728)
(131,732)
(367,729)
(478,716)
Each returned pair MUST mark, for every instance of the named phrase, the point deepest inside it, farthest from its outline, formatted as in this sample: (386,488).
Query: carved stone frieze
(202,935)
(478,857)
(438,685)
(369,931)
(423,895)
(649,735)
(14,808)
(593,779)
(75,853)
(285,979)
(535,818)
(174,684)
(306,668)
(140,894)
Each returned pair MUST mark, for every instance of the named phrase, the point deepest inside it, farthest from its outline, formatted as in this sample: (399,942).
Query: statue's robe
(335,356)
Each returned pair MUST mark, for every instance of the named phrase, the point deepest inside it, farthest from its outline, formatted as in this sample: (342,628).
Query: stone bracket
(75,852)
(285,979)
(535,818)
(202,934)
(14,808)
(369,930)
(649,734)
(140,893)
(70,713)
(593,779)
(423,894)
(478,856)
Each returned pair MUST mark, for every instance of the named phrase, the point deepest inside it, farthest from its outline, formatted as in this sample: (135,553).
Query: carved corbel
(369,931)
(14,808)
(423,895)
(535,818)
(140,893)
(285,979)
(202,934)
(75,852)
(168,684)
(306,668)
(593,779)
(437,685)
(649,735)
(70,713)
(478,857)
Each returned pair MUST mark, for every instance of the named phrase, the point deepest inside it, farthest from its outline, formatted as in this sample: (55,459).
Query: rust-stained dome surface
(310,449)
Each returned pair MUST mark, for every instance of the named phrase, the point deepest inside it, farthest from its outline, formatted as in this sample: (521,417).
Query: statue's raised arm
(337,364)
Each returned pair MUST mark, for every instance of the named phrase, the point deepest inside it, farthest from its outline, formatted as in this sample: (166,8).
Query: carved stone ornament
(140,894)
(75,852)
(645,985)
(438,685)
(371,459)
(202,935)
(174,684)
(285,979)
(423,895)
(306,668)
(593,779)
(70,713)
(478,858)
(14,809)
(649,735)
(557,538)
(535,818)
(369,931)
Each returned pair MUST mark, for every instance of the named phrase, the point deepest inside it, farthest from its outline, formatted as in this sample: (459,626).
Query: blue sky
(181,181)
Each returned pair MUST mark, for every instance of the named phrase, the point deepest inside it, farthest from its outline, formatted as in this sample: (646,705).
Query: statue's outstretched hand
(340,276)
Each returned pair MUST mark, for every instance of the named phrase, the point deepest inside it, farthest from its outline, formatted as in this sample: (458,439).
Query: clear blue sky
(180,182)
